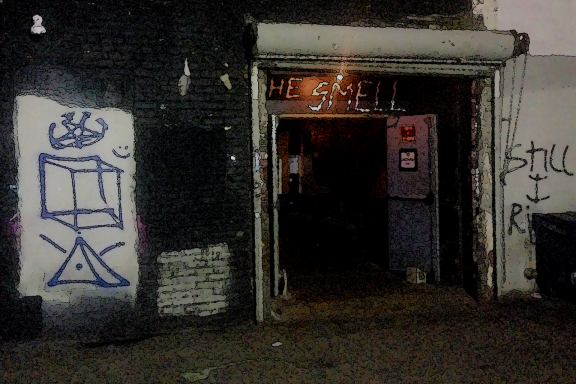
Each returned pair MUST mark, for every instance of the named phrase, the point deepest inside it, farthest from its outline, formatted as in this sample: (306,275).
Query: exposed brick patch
(194,281)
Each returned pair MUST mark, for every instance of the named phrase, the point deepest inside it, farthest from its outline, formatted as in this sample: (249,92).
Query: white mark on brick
(217,276)
(193,281)
(184,301)
(226,80)
(165,303)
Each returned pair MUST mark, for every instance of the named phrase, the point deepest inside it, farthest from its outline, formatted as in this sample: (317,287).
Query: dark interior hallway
(333,221)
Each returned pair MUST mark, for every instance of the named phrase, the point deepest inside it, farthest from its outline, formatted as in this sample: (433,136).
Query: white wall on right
(544,120)
(549,23)
(546,181)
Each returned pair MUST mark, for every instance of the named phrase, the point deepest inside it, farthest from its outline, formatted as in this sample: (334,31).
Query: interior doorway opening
(333,208)
(333,211)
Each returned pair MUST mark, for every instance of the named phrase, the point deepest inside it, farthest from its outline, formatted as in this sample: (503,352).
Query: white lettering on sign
(377,92)
(336,86)
(272,87)
(316,93)
(408,160)
(291,87)
(359,95)
(293,91)
(350,88)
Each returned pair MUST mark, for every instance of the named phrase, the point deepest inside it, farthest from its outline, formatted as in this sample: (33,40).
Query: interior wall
(347,154)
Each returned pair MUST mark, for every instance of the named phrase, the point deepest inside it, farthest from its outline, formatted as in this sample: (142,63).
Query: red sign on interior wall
(408,132)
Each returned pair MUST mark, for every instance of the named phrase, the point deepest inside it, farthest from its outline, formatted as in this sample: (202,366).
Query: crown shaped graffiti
(78,135)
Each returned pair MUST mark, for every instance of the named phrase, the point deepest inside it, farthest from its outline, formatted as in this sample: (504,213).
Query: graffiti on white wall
(76,203)
(78,135)
(540,158)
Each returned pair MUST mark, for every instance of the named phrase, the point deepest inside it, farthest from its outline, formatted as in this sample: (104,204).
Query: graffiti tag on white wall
(536,176)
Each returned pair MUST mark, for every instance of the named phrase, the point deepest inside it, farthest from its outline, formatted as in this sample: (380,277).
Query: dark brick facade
(130,55)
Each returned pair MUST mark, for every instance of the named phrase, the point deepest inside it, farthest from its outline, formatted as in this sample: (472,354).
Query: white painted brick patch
(193,281)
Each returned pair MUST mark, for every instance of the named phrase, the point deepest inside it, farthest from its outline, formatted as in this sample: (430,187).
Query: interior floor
(333,247)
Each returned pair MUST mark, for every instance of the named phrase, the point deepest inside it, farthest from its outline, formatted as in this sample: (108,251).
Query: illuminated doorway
(446,100)
(335,236)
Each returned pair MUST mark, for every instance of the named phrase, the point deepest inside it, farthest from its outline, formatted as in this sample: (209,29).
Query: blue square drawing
(74,205)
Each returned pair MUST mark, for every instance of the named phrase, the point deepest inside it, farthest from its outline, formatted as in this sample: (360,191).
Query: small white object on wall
(293,165)
(184,82)
(415,275)
(37,28)
(226,80)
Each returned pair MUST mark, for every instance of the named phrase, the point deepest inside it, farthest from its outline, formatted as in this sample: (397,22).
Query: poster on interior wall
(334,93)
(408,160)
(408,132)
(76,199)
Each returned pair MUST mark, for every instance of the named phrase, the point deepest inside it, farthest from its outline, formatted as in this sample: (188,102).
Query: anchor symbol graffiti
(78,135)
(536,199)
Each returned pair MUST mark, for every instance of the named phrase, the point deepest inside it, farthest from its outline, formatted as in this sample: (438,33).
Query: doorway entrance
(350,214)
(333,209)
(357,199)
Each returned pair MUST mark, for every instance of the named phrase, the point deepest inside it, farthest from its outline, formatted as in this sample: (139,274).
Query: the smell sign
(408,160)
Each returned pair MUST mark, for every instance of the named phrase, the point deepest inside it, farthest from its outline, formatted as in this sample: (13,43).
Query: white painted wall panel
(102,239)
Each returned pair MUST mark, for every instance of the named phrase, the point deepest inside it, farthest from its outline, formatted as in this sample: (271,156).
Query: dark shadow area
(21,319)
(555,234)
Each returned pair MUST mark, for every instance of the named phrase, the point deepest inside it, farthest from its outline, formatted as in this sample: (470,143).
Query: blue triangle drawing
(98,281)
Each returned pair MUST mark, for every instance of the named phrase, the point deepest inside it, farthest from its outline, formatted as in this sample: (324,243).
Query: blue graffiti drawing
(108,249)
(90,170)
(45,238)
(119,155)
(82,246)
(78,135)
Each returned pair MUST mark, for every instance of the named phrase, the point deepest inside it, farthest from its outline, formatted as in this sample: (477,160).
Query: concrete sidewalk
(432,335)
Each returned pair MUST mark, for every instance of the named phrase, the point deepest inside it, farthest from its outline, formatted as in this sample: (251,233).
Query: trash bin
(555,235)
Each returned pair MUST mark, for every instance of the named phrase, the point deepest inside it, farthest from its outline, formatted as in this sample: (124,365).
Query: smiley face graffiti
(119,155)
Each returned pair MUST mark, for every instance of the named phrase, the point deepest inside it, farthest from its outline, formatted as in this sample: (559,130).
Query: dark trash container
(555,235)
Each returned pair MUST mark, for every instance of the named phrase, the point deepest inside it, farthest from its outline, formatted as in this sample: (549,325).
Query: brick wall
(189,193)
(194,281)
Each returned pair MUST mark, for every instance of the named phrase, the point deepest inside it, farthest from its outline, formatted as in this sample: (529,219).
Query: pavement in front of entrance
(423,334)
